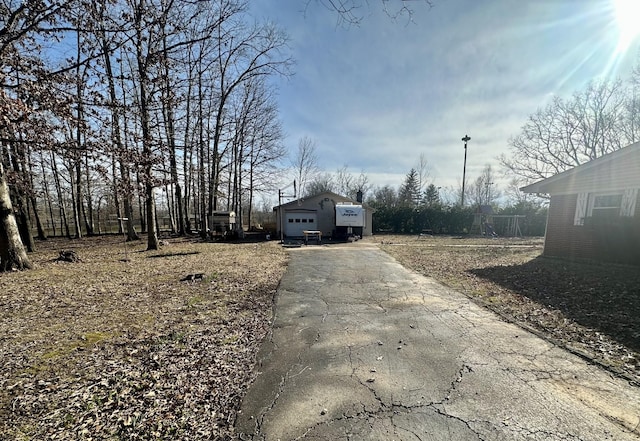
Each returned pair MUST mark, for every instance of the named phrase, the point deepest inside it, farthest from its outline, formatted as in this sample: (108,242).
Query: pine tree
(432,196)
(409,194)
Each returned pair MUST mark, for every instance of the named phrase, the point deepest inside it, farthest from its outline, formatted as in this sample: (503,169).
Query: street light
(464,168)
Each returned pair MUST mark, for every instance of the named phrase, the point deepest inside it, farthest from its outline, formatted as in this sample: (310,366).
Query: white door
(296,223)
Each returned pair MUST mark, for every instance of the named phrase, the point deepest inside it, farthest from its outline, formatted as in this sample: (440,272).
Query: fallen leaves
(104,349)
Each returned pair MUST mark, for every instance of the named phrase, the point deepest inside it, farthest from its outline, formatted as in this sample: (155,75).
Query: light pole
(464,167)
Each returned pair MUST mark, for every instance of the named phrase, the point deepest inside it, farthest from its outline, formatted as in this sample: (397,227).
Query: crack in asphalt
(262,415)
(375,408)
(545,435)
(393,408)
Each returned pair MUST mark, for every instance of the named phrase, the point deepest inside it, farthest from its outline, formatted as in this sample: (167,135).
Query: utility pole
(464,167)
(281,195)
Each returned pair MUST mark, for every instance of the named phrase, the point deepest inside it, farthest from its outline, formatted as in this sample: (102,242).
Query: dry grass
(110,350)
(106,349)
(592,309)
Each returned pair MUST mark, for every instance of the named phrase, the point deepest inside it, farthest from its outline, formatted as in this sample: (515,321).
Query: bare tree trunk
(13,254)
(76,191)
(42,235)
(201,160)
(21,204)
(21,212)
(187,157)
(142,66)
(141,205)
(124,165)
(250,201)
(171,140)
(78,206)
(116,195)
(47,195)
(88,214)
(61,204)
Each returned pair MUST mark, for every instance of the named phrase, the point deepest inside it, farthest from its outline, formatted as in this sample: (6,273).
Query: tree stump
(68,256)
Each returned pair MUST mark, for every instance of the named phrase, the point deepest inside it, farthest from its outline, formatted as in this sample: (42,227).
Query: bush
(453,220)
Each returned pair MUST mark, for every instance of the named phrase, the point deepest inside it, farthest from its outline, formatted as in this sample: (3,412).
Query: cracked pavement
(364,349)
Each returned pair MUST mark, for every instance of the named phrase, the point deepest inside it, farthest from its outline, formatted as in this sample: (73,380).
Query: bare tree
(385,196)
(305,163)
(423,172)
(514,195)
(118,145)
(263,148)
(483,191)
(352,12)
(244,52)
(120,112)
(349,185)
(631,115)
(343,180)
(29,100)
(320,184)
(567,133)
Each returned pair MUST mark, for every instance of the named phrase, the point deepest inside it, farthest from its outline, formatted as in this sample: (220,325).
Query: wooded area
(109,108)
(139,115)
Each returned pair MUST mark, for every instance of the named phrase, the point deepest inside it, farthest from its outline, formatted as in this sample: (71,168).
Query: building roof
(324,194)
(613,171)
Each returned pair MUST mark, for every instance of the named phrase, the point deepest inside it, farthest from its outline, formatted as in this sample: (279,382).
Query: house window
(297,220)
(304,221)
(290,221)
(604,205)
(310,221)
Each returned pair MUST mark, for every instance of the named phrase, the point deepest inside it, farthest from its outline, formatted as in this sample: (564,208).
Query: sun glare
(627,15)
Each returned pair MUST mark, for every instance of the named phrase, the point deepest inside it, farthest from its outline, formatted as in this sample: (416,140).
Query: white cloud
(377,96)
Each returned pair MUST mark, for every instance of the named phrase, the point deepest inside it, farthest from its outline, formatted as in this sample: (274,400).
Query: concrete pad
(364,349)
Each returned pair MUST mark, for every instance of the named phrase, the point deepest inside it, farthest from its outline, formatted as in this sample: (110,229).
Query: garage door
(296,223)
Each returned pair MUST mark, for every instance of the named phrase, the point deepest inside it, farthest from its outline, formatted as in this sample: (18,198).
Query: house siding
(614,171)
(612,240)
(611,175)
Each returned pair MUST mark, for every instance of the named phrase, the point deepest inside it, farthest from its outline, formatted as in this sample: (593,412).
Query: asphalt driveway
(364,349)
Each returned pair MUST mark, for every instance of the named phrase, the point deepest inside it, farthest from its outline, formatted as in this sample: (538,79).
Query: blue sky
(376,96)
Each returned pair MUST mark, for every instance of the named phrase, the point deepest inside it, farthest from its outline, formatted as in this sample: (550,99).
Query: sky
(376,96)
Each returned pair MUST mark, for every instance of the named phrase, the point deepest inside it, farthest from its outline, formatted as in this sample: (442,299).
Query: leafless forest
(113,112)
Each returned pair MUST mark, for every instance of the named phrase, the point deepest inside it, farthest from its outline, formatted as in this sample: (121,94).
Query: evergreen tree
(409,194)
(432,196)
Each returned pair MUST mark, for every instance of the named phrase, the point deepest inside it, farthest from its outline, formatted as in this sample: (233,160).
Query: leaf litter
(102,349)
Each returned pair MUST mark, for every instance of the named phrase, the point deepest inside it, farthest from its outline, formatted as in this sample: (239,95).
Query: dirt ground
(136,345)
(591,309)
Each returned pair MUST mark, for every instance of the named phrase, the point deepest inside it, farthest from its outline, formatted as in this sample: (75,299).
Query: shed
(593,210)
(318,212)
